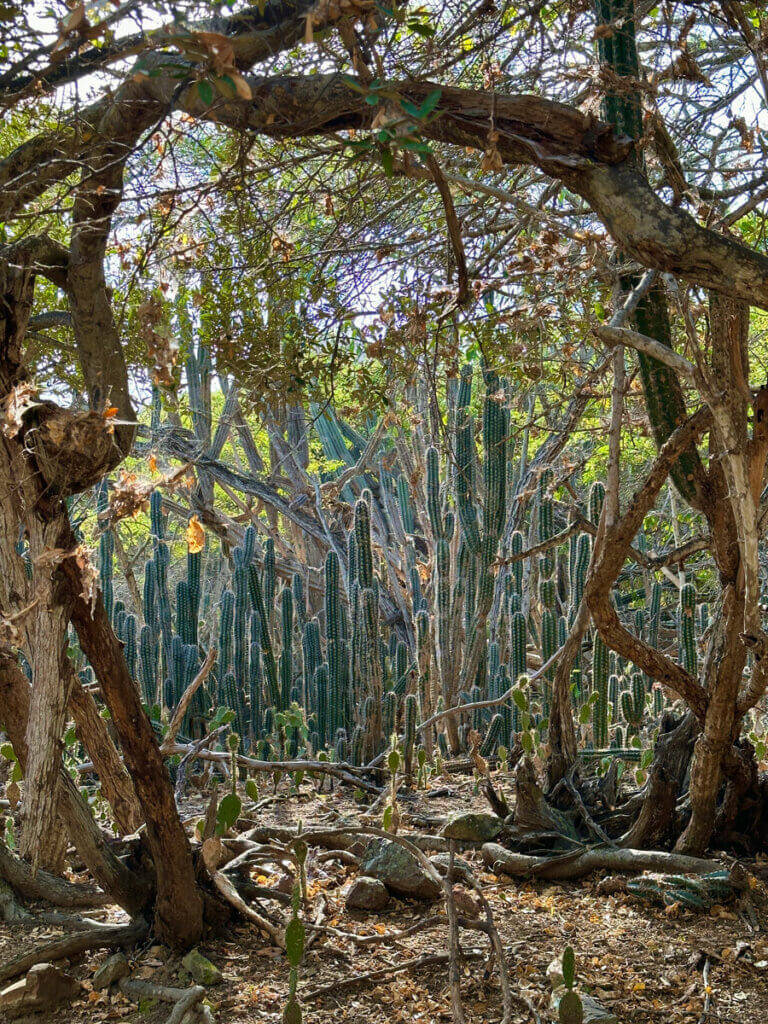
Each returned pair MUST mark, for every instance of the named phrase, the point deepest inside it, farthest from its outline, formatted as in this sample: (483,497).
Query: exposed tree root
(70,945)
(44,886)
(583,862)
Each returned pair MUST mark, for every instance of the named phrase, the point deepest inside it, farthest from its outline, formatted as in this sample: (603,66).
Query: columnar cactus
(600,684)
(633,704)
(688,627)
(410,716)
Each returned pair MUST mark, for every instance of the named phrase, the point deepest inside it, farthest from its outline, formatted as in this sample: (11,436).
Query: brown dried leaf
(19,401)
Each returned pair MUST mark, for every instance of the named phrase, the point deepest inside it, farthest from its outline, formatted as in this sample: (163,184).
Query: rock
(594,1013)
(472,826)
(366,894)
(43,989)
(201,968)
(10,911)
(398,869)
(111,971)
(442,862)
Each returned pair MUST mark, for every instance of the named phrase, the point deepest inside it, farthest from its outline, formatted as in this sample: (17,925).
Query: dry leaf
(195,536)
(15,405)
(13,795)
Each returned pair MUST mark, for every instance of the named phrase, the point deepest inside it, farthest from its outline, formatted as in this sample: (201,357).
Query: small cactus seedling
(570,1010)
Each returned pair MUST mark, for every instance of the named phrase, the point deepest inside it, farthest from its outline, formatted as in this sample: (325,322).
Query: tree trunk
(722,673)
(562,734)
(29,592)
(116,785)
(179,908)
(656,821)
(124,887)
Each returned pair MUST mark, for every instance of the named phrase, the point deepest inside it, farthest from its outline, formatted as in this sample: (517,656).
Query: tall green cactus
(600,684)
(410,716)
(633,704)
(688,628)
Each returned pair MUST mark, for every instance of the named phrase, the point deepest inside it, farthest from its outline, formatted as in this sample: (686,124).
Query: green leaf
(229,811)
(8,752)
(372,99)
(417,146)
(223,716)
(352,83)
(205,92)
(386,818)
(252,790)
(387,161)
(420,29)
(294,941)
(430,103)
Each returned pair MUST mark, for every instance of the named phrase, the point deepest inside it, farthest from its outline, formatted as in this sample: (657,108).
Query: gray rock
(472,826)
(398,869)
(111,971)
(366,894)
(43,989)
(201,968)
(461,867)
(594,1013)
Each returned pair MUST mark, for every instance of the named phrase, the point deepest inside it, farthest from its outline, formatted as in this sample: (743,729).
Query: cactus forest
(383,562)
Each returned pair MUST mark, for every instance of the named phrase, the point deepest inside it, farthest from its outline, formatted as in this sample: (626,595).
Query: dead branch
(186,700)
(70,945)
(599,858)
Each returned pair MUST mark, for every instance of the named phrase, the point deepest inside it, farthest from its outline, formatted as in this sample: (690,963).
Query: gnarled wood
(179,906)
(124,887)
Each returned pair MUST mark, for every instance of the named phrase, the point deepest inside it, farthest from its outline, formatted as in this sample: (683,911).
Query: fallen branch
(71,945)
(211,857)
(581,863)
(344,772)
(184,998)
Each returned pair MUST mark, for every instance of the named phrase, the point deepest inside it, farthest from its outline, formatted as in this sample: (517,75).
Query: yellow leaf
(195,536)
(152,463)
(242,88)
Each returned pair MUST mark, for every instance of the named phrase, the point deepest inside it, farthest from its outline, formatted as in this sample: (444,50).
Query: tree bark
(179,907)
(124,887)
(116,785)
(561,736)
(723,668)
(656,821)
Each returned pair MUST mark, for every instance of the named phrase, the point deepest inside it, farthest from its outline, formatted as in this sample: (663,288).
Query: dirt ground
(644,963)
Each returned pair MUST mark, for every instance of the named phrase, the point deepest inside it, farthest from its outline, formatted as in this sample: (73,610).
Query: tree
(203,72)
